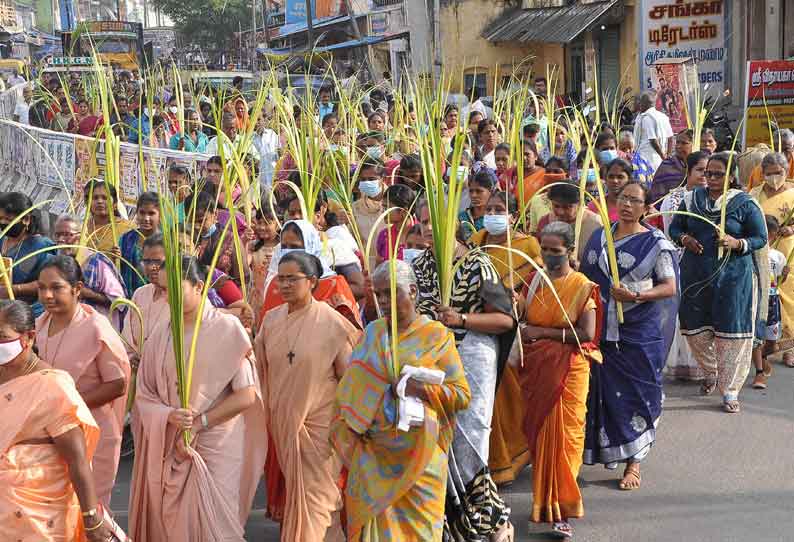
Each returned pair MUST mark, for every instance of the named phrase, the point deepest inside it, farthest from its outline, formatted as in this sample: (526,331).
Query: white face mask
(370,189)
(147,112)
(410,254)
(9,351)
(173,110)
(496,224)
(775,181)
(374,152)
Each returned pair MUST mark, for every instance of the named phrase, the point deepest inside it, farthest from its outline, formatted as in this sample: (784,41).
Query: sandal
(633,471)
(731,406)
(505,534)
(788,360)
(562,528)
(708,386)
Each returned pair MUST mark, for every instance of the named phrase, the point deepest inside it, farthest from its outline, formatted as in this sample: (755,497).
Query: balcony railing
(380,4)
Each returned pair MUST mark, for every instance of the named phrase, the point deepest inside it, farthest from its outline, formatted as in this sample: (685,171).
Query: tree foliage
(208,23)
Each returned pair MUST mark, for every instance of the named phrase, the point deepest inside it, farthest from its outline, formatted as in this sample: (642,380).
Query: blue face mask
(607,156)
(375,152)
(410,254)
(210,232)
(496,224)
(371,189)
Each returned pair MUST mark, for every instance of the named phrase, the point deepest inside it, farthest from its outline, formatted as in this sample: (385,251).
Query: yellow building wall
(463,47)
(629,46)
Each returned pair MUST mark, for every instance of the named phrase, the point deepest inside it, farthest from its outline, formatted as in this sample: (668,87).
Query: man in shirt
(121,120)
(266,142)
(326,106)
(143,124)
(22,109)
(651,131)
(16,79)
(230,134)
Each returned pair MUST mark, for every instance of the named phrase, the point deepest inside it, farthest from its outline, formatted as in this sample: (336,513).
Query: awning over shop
(550,25)
(296,28)
(350,44)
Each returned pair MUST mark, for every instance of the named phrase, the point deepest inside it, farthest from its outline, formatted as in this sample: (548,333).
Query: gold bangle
(95,527)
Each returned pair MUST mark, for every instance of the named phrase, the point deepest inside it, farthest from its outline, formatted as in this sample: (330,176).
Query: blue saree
(625,399)
(719,295)
(28,270)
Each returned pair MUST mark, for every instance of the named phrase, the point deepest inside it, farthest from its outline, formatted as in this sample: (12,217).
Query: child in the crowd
(505,171)
(415,243)
(260,252)
(401,198)
(778,271)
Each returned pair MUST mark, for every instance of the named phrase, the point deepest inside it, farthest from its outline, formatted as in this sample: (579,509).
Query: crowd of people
(372,405)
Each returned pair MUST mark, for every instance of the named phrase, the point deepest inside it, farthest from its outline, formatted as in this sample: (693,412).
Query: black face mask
(14,231)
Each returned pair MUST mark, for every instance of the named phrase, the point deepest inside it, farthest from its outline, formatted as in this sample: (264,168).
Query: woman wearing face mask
(171,118)
(75,338)
(553,376)
(776,197)
(481,186)
(19,241)
(508,453)
(481,319)
(47,440)
(625,400)
(672,171)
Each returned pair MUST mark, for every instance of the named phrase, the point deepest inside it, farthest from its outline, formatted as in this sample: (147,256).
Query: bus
(117,43)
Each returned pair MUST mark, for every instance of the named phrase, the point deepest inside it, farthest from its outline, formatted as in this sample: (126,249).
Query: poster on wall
(129,185)
(769,90)
(57,163)
(670,79)
(694,29)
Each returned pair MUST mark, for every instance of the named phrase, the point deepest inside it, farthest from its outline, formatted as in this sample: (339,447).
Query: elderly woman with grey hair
(776,197)
(405,364)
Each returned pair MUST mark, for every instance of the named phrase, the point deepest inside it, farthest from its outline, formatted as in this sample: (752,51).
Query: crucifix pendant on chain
(291,356)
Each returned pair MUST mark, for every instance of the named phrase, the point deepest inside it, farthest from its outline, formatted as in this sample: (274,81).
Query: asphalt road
(712,477)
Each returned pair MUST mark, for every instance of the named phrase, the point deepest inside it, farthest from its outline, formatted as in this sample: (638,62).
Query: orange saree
(37,499)
(554,379)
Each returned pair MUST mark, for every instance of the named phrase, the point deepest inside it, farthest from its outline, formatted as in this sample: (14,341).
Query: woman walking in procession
(303,348)
(480,316)
(47,440)
(77,339)
(553,374)
(721,296)
(625,400)
(201,491)
(397,479)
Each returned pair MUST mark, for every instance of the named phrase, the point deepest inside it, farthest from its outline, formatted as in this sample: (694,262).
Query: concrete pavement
(712,477)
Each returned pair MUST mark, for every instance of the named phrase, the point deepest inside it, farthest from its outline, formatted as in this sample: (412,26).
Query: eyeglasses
(153,263)
(632,201)
(714,174)
(289,280)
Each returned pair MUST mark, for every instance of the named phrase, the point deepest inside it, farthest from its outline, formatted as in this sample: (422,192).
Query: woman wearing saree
(480,317)
(47,439)
(397,479)
(303,348)
(625,400)
(672,172)
(75,338)
(102,230)
(508,448)
(553,375)
(721,297)
(19,243)
(776,196)
(202,491)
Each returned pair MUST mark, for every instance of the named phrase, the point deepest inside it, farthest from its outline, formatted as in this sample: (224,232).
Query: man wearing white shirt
(22,108)
(651,132)
(229,128)
(266,143)
(16,79)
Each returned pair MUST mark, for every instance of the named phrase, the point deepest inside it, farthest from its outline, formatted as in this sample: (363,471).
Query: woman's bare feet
(631,477)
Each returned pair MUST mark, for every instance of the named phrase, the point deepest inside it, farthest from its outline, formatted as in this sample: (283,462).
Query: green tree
(208,23)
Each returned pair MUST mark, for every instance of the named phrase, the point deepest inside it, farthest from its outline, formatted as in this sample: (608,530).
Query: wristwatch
(90,514)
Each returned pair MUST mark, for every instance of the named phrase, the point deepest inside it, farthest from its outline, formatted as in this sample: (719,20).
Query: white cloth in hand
(411,409)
